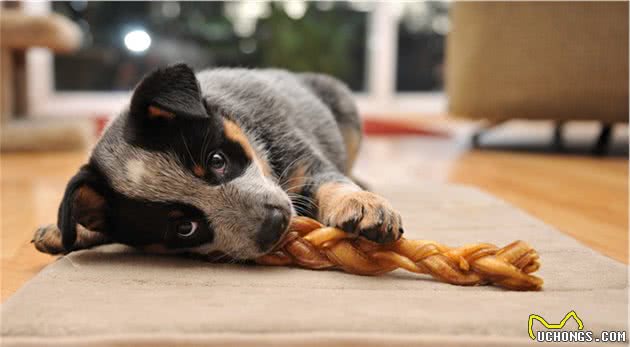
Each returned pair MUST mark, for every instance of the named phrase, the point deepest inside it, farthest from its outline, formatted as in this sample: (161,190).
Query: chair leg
(603,140)
(558,143)
(476,137)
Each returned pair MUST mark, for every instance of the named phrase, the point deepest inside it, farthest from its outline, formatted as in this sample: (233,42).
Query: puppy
(219,162)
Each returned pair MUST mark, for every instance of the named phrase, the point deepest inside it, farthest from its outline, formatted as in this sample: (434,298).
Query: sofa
(559,61)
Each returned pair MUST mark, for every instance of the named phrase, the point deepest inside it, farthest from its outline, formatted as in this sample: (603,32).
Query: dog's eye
(186,229)
(218,162)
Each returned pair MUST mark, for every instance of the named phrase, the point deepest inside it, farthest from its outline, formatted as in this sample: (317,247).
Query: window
(421,39)
(125,40)
(389,53)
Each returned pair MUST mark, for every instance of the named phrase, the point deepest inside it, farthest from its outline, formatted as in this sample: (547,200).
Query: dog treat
(311,245)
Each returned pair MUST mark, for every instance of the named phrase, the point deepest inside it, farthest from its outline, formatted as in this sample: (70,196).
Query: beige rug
(113,296)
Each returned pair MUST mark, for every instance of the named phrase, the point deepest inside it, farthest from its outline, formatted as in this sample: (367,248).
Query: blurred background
(382,51)
(527,100)
(490,63)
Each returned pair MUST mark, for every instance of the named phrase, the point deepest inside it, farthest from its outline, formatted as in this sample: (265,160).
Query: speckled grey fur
(285,116)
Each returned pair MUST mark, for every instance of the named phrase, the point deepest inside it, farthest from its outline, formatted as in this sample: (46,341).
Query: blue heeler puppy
(219,161)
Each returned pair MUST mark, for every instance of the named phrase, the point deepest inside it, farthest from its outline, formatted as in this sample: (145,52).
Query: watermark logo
(555,334)
(570,314)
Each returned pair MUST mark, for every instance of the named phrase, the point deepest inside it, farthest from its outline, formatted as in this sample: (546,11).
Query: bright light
(137,41)
(295,9)
(244,15)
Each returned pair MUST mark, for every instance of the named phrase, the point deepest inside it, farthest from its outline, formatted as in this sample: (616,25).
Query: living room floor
(581,195)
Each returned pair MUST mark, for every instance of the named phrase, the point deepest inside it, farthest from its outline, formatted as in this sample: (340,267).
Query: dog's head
(175,173)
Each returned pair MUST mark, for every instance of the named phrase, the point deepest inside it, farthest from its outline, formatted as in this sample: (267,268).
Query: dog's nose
(273,227)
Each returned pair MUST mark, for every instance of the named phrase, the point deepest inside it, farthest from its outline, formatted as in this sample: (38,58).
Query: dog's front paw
(47,239)
(366,214)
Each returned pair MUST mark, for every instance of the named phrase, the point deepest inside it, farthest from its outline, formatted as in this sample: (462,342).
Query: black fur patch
(174,89)
(139,223)
(194,134)
(72,211)
(131,221)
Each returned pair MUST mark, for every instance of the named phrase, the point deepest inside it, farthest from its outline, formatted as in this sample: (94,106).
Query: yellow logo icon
(560,325)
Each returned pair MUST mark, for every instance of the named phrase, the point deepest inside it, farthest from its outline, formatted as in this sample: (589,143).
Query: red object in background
(100,123)
(380,127)
(371,127)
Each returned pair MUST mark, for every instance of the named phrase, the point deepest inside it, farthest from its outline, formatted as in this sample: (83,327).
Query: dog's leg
(343,204)
(47,239)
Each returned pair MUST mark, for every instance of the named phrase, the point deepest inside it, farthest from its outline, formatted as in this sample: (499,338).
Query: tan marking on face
(89,207)
(199,171)
(295,182)
(156,112)
(176,214)
(236,134)
(87,196)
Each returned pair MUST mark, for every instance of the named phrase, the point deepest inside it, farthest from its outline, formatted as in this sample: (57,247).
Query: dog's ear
(83,203)
(166,94)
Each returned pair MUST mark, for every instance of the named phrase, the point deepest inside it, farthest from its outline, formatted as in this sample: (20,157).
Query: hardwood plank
(32,185)
(584,197)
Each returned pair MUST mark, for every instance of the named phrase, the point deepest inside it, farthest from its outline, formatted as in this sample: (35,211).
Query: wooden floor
(583,196)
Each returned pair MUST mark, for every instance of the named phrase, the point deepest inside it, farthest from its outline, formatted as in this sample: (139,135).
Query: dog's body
(220,161)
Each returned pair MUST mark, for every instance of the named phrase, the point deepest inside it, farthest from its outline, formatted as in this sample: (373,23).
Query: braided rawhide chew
(311,245)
